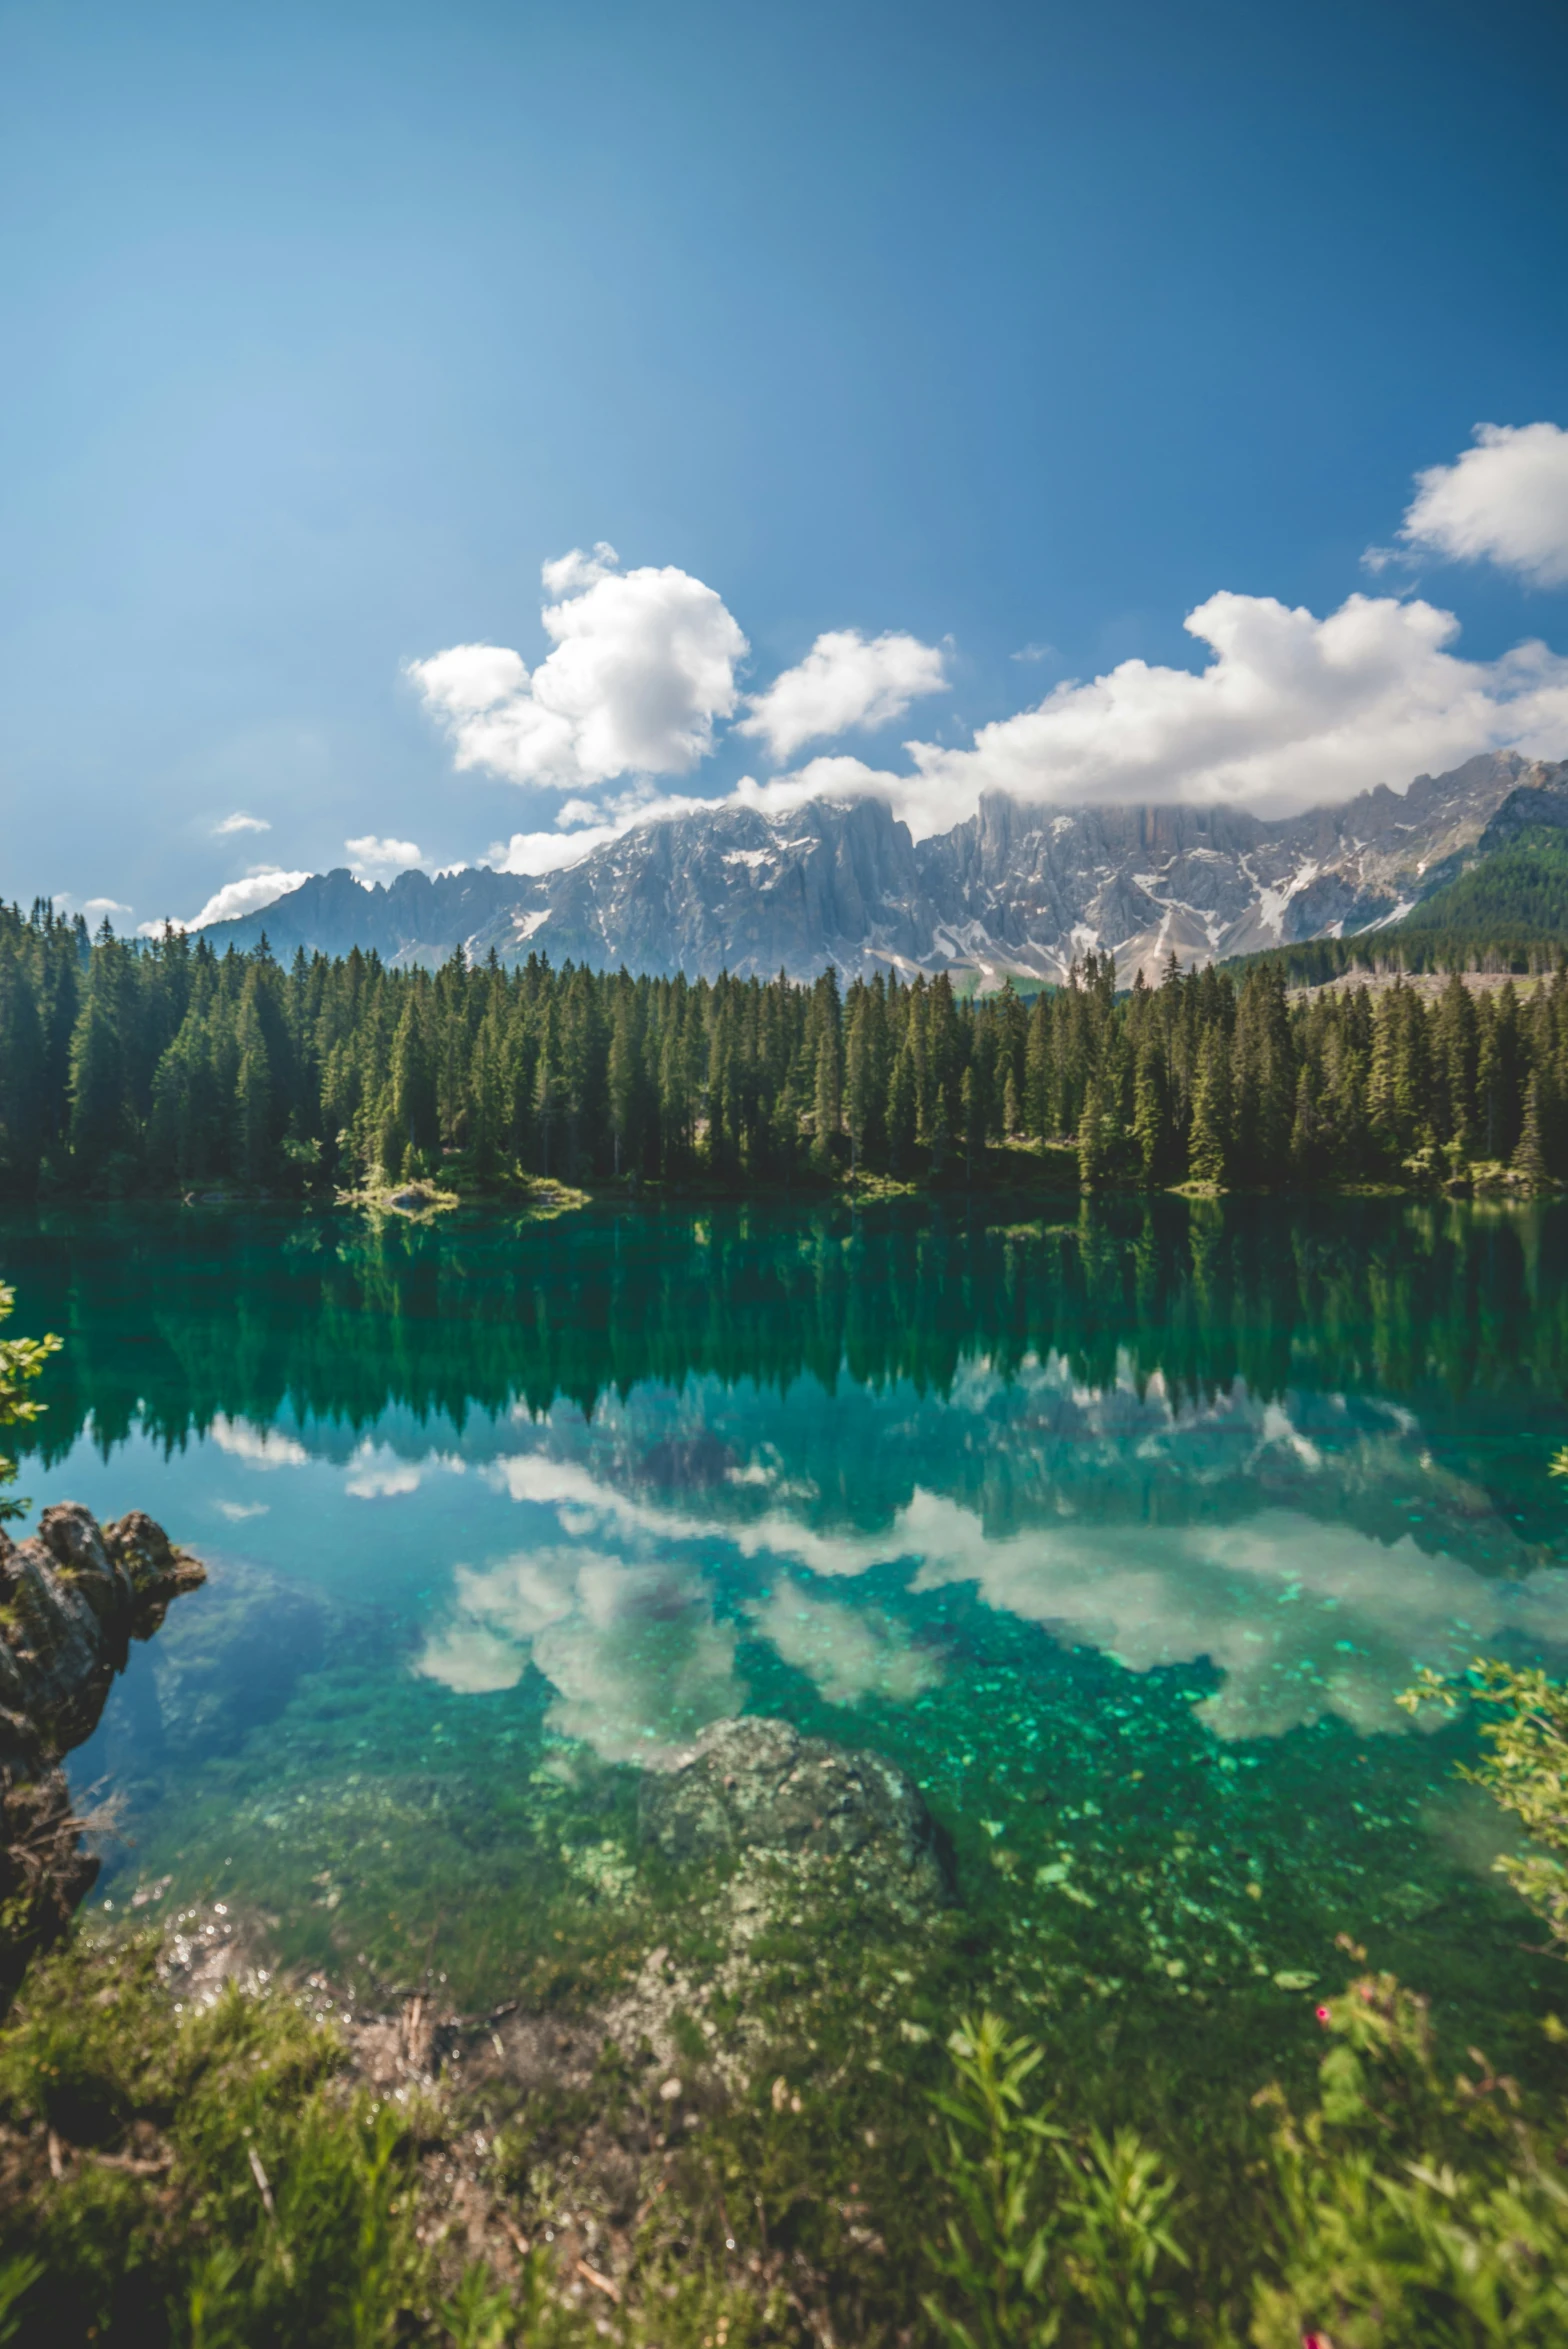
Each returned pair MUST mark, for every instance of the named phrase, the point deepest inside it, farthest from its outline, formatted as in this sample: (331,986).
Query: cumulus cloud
(570,574)
(96,909)
(847,682)
(240,822)
(380,860)
(377,1473)
(643,666)
(1292,709)
(631,1646)
(581,828)
(1286,709)
(577,812)
(258,1447)
(262,886)
(535,853)
(850,1654)
(1505,501)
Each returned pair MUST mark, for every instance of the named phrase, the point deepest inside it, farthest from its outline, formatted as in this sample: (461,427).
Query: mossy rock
(758,1785)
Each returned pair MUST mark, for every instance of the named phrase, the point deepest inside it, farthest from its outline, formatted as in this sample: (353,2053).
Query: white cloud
(263,885)
(850,1654)
(627,1630)
(237,1511)
(66,903)
(380,860)
(240,822)
(643,666)
(533,853)
(1505,501)
(570,574)
(638,1662)
(1288,709)
(1292,711)
(258,1447)
(377,1473)
(846,681)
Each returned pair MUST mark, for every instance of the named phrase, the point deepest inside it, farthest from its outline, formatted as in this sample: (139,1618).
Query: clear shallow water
(1121,1531)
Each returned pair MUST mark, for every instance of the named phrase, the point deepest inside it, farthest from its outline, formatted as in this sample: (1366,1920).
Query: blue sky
(994,329)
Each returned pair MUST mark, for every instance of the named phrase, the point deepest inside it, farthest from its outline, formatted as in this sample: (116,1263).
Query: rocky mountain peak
(1014,888)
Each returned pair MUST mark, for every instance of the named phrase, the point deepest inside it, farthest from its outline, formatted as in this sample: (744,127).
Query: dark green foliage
(215,2182)
(1047,2240)
(1409,2212)
(1517,892)
(126,1069)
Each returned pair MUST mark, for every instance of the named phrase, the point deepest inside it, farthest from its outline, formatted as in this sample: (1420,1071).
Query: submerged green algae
(1119,1533)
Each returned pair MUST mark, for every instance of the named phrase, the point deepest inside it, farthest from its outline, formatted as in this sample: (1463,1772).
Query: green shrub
(1044,2235)
(1411,2214)
(216,2184)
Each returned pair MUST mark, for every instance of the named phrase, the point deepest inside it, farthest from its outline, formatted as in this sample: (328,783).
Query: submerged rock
(758,1785)
(72,1598)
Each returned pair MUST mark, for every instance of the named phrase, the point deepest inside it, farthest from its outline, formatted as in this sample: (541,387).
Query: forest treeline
(1456,1310)
(128,1067)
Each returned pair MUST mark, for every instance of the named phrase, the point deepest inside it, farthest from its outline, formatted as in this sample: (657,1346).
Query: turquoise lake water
(1121,1529)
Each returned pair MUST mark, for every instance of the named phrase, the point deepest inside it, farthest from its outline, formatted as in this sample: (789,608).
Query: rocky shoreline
(72,1598)
(585,2131)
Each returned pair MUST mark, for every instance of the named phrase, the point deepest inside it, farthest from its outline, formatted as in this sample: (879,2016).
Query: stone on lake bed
(757,1785)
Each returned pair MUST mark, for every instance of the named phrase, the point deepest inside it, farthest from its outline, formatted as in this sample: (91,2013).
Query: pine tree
(859,1072)
(23,1099)
(1304,1128)
(971,1101)
(1208,1146)
(1092,1137)
(901,1109)
(623,1069)
(413,1083)
(1149,1116)
(253,1090)
(99,1124)
(1037,1069)
(1529,1159)
(828,1081)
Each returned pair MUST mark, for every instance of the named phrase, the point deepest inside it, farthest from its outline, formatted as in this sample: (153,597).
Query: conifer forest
(136,1067)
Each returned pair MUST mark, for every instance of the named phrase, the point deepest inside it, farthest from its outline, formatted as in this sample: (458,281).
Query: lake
(1120,1529)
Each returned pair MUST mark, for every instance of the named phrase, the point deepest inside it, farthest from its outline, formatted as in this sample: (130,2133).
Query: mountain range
(1013,889)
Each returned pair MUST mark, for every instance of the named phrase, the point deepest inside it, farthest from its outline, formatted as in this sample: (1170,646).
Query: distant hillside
(1519,892)
(1502,905)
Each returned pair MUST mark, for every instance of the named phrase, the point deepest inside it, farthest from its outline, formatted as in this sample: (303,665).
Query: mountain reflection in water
(485,1493)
